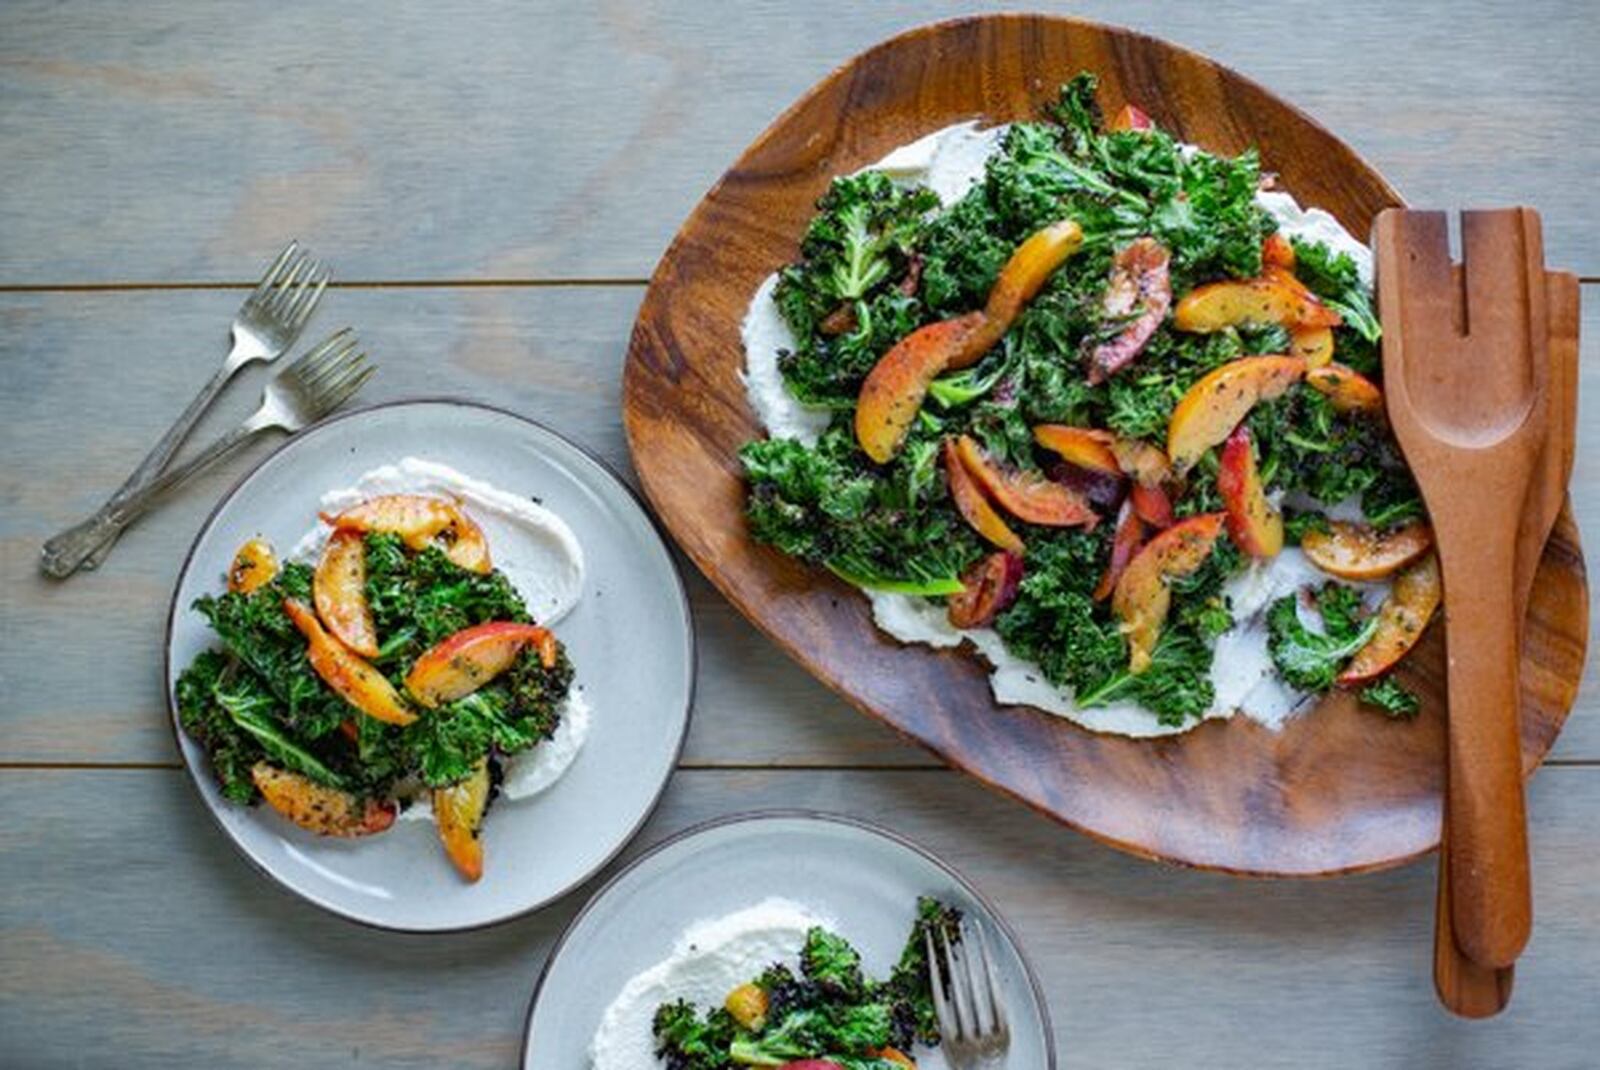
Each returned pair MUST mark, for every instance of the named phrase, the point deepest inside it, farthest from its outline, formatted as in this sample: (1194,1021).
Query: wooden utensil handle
(1488,853)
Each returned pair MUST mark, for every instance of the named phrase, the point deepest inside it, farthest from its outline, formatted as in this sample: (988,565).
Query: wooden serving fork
(1465,987)
(1466,375)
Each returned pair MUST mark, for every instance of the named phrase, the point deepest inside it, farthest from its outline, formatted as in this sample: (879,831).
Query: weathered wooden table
(493,184)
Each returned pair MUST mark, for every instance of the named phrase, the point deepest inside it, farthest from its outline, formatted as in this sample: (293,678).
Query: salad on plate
(1104,405)
(387,669)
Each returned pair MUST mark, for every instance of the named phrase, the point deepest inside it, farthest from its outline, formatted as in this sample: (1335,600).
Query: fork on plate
(266,325)
(976,1033)
(301,394)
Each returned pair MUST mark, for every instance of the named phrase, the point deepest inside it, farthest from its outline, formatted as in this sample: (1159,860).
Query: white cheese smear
(950,161)
(710,959)
(535,549)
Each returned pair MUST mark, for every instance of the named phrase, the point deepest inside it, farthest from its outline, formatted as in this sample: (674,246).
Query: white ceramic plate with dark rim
(630,638)
(864,878)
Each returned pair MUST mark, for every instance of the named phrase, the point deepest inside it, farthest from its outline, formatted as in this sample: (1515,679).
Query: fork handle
(162,451)
(1488,853)
(67,551)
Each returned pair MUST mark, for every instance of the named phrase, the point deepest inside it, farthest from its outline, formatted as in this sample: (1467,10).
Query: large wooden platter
(1339,789)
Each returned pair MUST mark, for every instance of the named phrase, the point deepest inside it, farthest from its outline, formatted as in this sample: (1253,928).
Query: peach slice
(1147,465)
(1358,552)
(1277,252)
(1142,598)
(339,591)
(974,507)
(318,808)
(1125,542)
(1131,117)
(1152,505)
(1213,407)
(420,520)
(748,1004)
(1027,496)
(987,589)
(1023,276)
(892,394)
(1313,344)
(1347,389)
(1084,447)
(1140,291)
(459,809)
(348,674)
(459,665)
(1253,523)
(1401,621)
(1275,297)
(254,566)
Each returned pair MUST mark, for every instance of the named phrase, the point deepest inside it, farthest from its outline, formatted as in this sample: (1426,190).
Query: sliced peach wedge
(1358,552)
(460,664)
(1025,495)
(1272,298)
(1211,408)
(1314,345)
(1401,621)
(1142,598)
(1085,447)
(1138,295)
(1347,389)
(347,673)
(974,507)
(317,807)
(459,811)
(420,520)
(1277,252)
(1255,526)
(893,392)
(339,591)
(1125,542)
(254,566)
(988,588)
(1020,281)
(1131,117)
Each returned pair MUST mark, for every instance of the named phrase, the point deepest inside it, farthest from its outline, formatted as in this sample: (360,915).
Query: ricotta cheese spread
(710,959)
(950,161)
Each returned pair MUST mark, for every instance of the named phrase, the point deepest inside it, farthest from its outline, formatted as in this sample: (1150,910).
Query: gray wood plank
(92,379)
(134,936)
(495,140)
(73,427)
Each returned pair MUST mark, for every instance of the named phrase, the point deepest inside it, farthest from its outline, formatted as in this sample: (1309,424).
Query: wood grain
(74,431)
(504,139)
(1337,790)
(134,937)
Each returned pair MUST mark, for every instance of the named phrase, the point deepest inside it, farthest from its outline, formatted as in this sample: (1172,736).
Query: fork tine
(960,989)
(305,302)
(941,1004)
(317,357)
(279,299)
(342,375)
(997,1007)
(330,365)
(334,398)
(265,285)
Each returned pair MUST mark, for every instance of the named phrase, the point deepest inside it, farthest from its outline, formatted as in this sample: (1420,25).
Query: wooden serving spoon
(1466,374)
(1464,987)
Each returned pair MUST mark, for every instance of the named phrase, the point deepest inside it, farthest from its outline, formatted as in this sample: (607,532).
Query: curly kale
(259,699)
(1309,660)
(1393,698)
(829,1011)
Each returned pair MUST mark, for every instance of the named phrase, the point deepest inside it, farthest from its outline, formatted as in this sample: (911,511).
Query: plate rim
(801,813)
(637,358)
(195,773)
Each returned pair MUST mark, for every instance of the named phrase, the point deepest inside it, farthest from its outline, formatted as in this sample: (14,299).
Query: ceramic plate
(633,612)
(864,878)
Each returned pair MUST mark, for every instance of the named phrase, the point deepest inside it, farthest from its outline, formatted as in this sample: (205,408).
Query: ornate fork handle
(68,550)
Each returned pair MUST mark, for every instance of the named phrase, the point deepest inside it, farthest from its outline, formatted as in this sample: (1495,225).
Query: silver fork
(264,328)
(301,394)
(972,1016)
